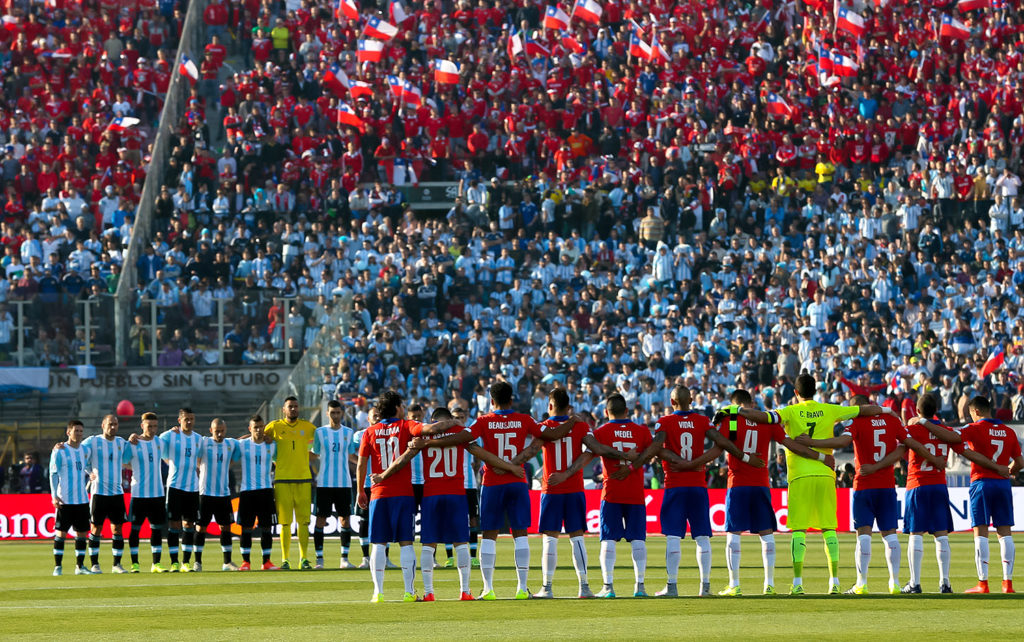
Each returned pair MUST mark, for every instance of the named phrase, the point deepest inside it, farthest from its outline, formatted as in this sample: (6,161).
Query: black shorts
(216,508)
(333,501)
(473,500)
(364,513)
(417,493)
(182,506)
(153,509)
(257,505)
(104,507)
(72,517)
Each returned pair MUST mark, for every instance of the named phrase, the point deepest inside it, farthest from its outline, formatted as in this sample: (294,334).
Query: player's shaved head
(926,405)
(440,414)
(501,393)
(981,406)
(741,397)
(859,400)
(559,399)
(805,385)
(681,394)
(616,405)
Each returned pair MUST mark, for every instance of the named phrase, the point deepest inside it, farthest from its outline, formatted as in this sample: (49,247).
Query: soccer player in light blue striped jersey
(335,452)
(70,497)
(107,456)
(180,448)
(256,495)
(215,456)
(147,492)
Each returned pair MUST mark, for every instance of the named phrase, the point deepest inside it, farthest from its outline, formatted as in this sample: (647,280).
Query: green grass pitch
(332,603)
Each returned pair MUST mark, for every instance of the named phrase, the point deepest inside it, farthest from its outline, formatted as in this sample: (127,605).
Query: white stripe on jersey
(468,473)
(357,439)
(182,454)
(214,464)
(147,476)
(68,474)
(106,459)
(334,446)
(256,461)
(417,468)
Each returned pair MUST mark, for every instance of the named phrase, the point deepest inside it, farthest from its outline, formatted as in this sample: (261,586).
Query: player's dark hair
(293,398)
(560,398)
(926,405)
(387,404)
(148,416)
(416,407)
(616,405)
(185,410)
(859,400)
(75,422)
(440,414)
(805,386)
(501,392)
(981,405)
(740,396)
(334,403)
(682,395)
(255,418)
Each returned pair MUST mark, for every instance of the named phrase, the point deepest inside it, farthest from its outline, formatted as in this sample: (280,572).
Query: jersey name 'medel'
(214,464)
(68,474)
(147,477)
(256,461)
(333,447)
(182,454)
(106,457)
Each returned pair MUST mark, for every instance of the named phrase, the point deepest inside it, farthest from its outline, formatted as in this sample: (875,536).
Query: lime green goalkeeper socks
(798,547)
(832,552)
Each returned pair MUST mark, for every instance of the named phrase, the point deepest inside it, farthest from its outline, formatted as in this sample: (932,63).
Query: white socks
(426,568)
(768,558)
(607,561)
(915,552)
(892,558)
(863,558)
(732,558)
(942,556)
(377,557)
(488,552)
(462,561)
(673,553)
(639,551)
(407,558)
(579,558)
(522,545)
(549,560)
(704,557)
(1007,551)
(981,556)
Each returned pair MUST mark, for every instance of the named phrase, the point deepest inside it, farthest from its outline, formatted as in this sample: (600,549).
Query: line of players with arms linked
(410,466)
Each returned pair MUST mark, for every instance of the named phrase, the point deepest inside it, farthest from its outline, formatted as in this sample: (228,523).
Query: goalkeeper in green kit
(812,484)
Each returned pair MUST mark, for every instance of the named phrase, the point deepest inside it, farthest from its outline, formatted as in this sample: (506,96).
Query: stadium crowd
(737,213)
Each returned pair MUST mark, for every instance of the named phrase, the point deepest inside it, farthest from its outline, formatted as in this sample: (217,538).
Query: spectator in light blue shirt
(867,105)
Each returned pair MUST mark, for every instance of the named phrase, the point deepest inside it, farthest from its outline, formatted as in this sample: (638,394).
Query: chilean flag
(412,94)
(555,18)
(824,61)
(571,43)
(121,123)
(396,86)
(588,10)
(397,12)
(994,361)
(370,51)
(335,80)
(953,28)
(348,8)
(850,21)
(776,106)
(446,72)
(379,29)
(762,22)
(971,5)
(638,48)
(357,88)
(515,45)
(658,53)
(347,116)
(188,68)
(534,48)
(844,65)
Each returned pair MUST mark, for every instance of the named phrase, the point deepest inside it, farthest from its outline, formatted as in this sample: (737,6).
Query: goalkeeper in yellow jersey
(293,488)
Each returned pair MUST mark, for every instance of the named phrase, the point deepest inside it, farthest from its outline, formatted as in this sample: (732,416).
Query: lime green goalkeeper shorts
(812,503)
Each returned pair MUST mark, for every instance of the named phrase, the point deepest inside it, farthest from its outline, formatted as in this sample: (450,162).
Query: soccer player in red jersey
(392,505)
(995,456)
(748,499)
(927,498)
(563,505)
(623,506)
(503,433)
(444,515)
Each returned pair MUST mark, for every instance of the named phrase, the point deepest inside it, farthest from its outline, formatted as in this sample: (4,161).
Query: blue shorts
(392,519)
(444,519)
(991,502)
(749,508)
(927,510)
(623,521)
(501,501)
(682,505)
(876,505)
(557,509)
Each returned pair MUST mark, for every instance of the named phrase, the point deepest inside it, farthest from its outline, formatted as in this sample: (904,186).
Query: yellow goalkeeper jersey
(293,441)
(818,420)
